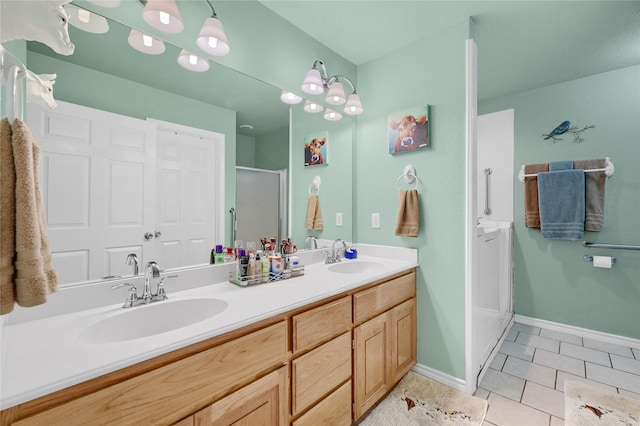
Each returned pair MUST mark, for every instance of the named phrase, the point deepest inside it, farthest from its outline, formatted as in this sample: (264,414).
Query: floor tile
(585,354)
(636,353)
(517,350)
(607,347)
(486,423)
(559,362)
(498,361)
(625,364)
(505,412)
(544,399)
(529,371)
(610,376)
(511,336)
(481,393)
(629,394)
(545,343)
(503,384)
(556,421)
(525,328)
(563,337)
(562,377)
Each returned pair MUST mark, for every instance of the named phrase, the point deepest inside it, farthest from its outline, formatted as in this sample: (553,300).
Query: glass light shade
(193,62)
(332,115)
(145,43)
(212,38)
(106,3)
(336,94)
(163,15)
(313,84)
(290,98)
(353,106)
(312,107)
(85,20)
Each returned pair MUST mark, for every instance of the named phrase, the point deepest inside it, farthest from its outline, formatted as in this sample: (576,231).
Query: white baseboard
(582,332)
(440,377)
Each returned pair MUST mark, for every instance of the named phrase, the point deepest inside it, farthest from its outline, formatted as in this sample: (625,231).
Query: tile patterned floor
(525,382)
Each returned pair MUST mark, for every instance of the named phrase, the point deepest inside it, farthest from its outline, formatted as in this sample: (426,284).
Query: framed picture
(409,130)
(315,148)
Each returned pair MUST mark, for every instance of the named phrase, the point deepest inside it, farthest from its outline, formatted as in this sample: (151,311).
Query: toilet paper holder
(588,258)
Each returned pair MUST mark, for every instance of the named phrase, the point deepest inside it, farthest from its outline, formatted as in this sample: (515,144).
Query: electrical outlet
(375,220)
(338,219)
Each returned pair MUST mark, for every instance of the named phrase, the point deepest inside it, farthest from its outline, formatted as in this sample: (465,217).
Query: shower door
(260,204)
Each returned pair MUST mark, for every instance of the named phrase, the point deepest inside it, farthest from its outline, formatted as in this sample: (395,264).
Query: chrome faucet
(133,259)
(335,255)
(151,270)
(314,241)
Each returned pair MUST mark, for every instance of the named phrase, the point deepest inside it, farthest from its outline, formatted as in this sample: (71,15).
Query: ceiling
(522,44)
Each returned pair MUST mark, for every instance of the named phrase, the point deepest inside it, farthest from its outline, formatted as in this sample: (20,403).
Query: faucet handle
(160,292)
(133,293)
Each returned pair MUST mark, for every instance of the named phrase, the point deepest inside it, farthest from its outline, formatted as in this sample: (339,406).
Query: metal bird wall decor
(565,127)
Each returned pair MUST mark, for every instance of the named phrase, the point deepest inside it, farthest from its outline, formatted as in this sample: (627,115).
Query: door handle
(158,234)
(148,236)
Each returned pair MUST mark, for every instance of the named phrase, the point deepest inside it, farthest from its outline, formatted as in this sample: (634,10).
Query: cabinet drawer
(334,410)
(169,393)
(318,372)
(321,324)
(369,303)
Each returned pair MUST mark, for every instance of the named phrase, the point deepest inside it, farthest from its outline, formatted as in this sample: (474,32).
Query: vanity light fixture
(162,15)
(85,20)
(290,98)
(193,62)
(312,107)
(212,38)
(145,43)
(332,115)
(316,82)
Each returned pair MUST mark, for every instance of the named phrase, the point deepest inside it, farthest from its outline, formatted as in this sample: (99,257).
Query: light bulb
(164,18)
(84,15)
(313,106)
(332,114)
(193,59)
(336,98)
(313,86)
(147,40)
(353,109)
(290,96)
(213,42)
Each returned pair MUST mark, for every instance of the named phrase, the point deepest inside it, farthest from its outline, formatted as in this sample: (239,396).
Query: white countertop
(45,355)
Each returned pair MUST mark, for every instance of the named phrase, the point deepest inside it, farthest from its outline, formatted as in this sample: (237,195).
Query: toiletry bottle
(219,256)
(251,270)
(277,265)
(228,255)
(265,268)
(212,259)
(243,265)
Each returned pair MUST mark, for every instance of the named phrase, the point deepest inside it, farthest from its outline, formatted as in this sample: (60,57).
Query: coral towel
(408,220)
(35,276)
(314,214)
(531,206)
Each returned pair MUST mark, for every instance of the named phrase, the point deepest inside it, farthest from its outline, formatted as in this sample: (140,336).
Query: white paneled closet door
(98,185)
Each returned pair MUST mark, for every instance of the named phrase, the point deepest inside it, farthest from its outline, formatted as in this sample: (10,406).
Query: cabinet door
(402,340)
(262,403)
(370,370)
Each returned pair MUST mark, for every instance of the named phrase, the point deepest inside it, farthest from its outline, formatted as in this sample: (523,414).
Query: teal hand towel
(562,206)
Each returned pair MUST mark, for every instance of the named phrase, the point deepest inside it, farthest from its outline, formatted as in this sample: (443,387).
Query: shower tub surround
(42,349)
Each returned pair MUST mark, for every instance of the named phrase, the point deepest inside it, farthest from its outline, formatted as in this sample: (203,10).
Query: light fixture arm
(337,77)
(213,11)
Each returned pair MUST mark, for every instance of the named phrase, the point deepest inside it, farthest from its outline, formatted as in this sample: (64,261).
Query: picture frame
(408,130)
(315,149)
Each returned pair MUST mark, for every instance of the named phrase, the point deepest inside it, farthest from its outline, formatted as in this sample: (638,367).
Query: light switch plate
(338,219)
(375,220)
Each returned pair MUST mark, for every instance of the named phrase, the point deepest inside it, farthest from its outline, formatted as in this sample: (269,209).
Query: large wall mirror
(106,74)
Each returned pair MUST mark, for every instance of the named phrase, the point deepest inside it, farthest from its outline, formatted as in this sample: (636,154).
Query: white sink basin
(354,266)
(152,319)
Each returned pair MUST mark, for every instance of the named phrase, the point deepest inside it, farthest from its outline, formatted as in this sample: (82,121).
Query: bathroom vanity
(318,349)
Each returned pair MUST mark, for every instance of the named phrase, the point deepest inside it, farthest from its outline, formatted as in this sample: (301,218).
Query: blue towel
(562,206)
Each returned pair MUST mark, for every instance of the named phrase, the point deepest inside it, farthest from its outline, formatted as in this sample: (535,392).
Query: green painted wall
(84,86)
(336,188)
(432,72)
(272,150)
(245,151)
(552,282)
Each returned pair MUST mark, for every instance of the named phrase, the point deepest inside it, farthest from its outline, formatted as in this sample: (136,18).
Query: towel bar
(409,175)
(588,244)
(608,170)
(589,259)
(315,184)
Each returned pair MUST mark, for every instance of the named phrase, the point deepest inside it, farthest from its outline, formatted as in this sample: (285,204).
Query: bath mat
(417,400)
(585,405)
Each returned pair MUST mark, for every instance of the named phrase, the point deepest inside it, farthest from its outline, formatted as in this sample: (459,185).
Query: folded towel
(594,183)
(7,219)
(561,202)
(314,214)
(408,219)
(35,275)
(531,205)
(561,165)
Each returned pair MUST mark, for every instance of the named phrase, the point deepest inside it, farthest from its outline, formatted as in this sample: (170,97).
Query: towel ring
(409,175)
(315,184)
